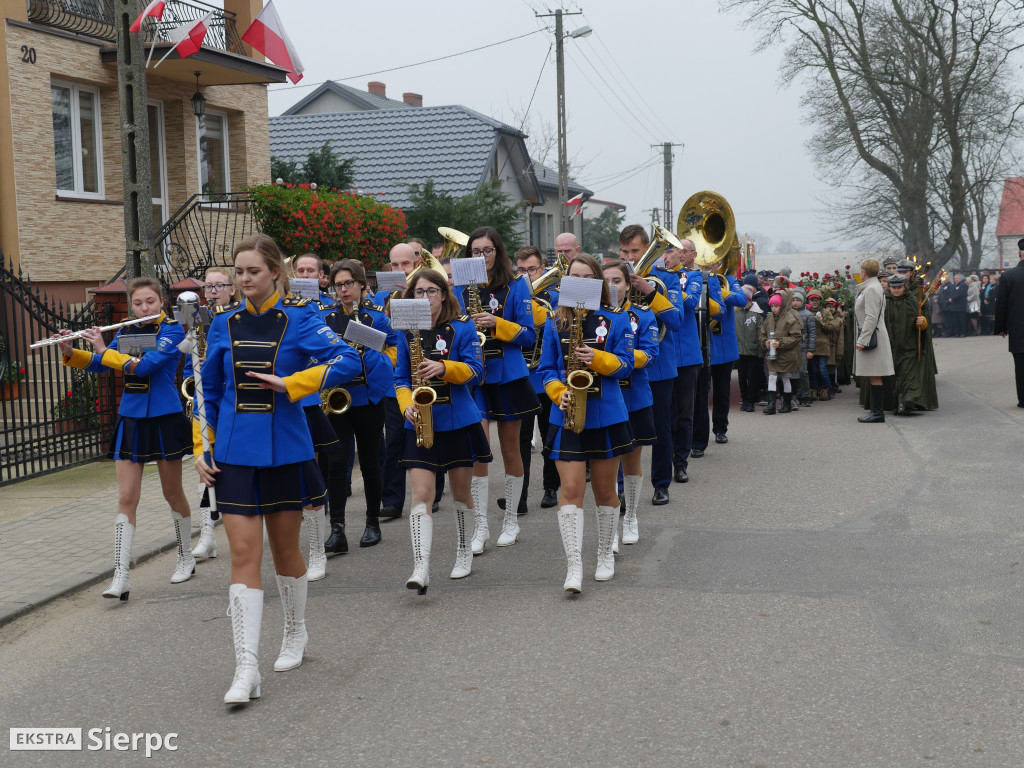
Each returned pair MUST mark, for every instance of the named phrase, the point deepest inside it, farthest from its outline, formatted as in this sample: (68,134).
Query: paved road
(822,593)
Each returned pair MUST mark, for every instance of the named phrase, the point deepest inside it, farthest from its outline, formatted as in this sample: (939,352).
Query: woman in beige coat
(869,310)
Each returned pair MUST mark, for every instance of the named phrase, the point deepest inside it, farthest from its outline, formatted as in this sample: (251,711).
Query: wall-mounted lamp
(198,100)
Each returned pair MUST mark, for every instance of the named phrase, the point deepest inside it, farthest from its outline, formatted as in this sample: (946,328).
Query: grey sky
(699,83)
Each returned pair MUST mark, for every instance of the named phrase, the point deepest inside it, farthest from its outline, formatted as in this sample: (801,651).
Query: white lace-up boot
(207,546)
(421,524)
(606,519)
(186,565)
(510,523)
(124,534)
(316,562)
(245,607)
(570,525)
(480,491)
(464,554)
(630,526)
(293,603)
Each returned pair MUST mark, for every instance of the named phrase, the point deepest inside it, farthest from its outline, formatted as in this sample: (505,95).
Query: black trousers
(751,371)
(1018,369)
(664,429)
(682,406)
(366,424)
(717,379)
(393,488)
(551,481)
(957,323)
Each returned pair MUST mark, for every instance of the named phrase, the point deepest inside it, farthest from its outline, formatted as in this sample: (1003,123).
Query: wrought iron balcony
(96,19)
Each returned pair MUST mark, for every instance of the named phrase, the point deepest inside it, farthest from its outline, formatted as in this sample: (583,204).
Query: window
(214,174)
(77,143)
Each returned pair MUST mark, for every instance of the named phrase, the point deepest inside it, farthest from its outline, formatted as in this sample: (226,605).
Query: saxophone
(577,377)
(423,397)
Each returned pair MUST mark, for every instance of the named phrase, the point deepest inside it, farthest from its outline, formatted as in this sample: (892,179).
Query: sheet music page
(471,271)
(577,290)
(306,287)
(366,335)
(390,281)
(136,343)
(410,314)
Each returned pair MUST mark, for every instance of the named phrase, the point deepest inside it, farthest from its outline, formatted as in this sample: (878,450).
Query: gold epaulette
(294,301)
(464,318)
(226,307)
(616,310)
(169,320)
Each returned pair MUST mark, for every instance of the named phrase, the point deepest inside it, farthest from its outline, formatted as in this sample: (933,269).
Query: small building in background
(1010,227)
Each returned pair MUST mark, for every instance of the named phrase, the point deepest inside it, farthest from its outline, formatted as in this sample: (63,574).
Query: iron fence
(202,234)
(51,416)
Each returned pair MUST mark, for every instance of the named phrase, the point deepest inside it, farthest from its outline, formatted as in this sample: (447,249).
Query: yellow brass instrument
(663,240)
(188,390)
(427,261)
(545,281)
(337,400)
(423,397)
(454,242)
(577,378)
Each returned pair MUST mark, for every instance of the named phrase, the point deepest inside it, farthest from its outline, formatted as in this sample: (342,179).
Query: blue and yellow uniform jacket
(540,316)
(253,426)
(724,346)
(609,334)
(458,347)
(149,388)
(377,379)
(666,312)
(636,388)
(688,339)
(503,350)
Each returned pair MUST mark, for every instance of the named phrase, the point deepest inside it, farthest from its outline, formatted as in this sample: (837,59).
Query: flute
(80,334)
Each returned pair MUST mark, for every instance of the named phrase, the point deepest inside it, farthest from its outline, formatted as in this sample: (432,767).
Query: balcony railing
(96,19)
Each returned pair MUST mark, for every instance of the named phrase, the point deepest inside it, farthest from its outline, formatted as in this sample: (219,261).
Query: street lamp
(198,100)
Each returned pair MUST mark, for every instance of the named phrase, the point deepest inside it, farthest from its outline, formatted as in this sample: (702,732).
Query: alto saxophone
(577,377)
(423,397)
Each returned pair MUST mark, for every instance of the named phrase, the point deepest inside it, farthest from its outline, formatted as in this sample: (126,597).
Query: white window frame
(160,135)
(76,141)
(227,153)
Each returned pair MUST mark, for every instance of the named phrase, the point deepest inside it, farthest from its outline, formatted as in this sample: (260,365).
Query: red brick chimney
(415,99)
(377,89)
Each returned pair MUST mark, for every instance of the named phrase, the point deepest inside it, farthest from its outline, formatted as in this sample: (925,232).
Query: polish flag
(266,34)
(188,38)
(578,200)
(154,9)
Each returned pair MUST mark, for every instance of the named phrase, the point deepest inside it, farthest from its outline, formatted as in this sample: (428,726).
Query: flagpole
(173,47)
(151,46)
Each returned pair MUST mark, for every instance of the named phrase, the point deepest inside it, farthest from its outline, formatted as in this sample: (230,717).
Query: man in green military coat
(910,336)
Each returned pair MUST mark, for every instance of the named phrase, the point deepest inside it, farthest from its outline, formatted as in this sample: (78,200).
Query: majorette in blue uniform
(606,432)
(636,389)
(363,422)
(505,394)
(151,424)
(262,444)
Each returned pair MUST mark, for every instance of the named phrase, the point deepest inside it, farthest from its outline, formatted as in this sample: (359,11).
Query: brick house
(1010,227)
(61,216)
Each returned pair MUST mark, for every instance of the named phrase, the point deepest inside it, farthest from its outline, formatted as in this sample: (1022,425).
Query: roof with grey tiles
(548,179)
(364,99)
(393,148)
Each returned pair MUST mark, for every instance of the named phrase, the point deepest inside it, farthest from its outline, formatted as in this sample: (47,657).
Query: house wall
(82,241)
(328,103)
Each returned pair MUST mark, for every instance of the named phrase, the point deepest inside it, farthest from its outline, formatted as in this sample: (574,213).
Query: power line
(526,114)
(612,176)
(408,66)
(629,109)
(615,110)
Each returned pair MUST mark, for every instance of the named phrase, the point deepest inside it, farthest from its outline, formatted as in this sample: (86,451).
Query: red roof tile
(1011,208)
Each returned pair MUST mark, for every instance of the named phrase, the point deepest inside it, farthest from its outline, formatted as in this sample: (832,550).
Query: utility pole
(654,219)
(136,173)
(667,149)
(563,154)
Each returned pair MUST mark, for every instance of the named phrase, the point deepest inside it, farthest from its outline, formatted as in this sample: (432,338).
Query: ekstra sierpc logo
(96,739)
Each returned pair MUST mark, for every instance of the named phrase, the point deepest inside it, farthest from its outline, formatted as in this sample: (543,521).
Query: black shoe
(550,499)
(747,407)
(787,403)
(371,536)
(680,475)
(875,417)
(337,544)
(437,505)
(770,408)
(696,453)
(501,503)
(660,497)
(720,438)
(390,513)
(348,490)
(521,509)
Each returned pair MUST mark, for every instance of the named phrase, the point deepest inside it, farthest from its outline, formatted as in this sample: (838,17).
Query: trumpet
(423,397)
(577,377)
(80,334)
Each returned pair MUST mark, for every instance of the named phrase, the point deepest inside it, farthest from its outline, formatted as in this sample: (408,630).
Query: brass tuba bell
(707,221)
(454,242)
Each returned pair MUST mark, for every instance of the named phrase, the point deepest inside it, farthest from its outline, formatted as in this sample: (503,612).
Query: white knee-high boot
(245,607)
(421,524)
(510,523)
(606,518)
(186,565)
(479,487)
(630,526)
(124,534)
(293,603)
(207,546)
(316,562)
(464,554)
(570,525)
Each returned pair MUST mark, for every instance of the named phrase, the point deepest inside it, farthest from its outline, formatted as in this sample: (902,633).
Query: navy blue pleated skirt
(458,448)
(167,437)
(510,401)
(250,491)
(324,436)
(597,443)
(642,424)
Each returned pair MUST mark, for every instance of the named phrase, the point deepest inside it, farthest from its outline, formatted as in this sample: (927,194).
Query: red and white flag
(187,39)
(155,10)
(578,200)
(266,34)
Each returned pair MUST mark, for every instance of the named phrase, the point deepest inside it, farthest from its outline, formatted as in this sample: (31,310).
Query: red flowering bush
(12,372)
(329,223)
